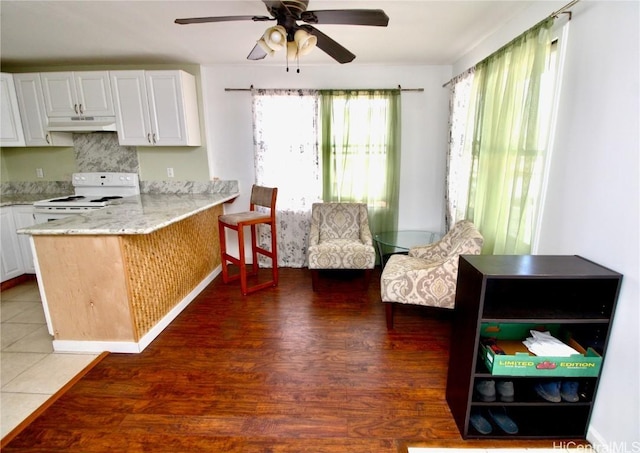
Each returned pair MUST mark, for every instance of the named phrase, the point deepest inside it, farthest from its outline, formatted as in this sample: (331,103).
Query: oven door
(42,217)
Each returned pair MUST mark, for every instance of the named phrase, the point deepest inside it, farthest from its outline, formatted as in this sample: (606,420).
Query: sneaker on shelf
(504,422)
(505,391)
(569,391)
(486,391)
(480,423)
(550,391)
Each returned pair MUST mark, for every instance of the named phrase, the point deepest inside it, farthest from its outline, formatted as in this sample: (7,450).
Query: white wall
(424,125)
(593,196)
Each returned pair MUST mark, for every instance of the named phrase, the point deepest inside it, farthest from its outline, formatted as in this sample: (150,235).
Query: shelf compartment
(517,361)
(525,394)
(551,298)
(537,421)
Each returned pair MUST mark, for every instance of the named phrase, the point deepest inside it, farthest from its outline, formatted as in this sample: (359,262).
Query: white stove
(92,191)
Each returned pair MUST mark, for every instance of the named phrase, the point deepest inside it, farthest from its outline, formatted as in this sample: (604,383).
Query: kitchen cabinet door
(11,133)
(85,93)
(22,218)
(156,108)
(173,108)
(34,117)
(10,257)
(131,107)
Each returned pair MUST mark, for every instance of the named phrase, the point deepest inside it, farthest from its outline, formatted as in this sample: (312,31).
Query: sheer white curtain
(458,162)
(285,135)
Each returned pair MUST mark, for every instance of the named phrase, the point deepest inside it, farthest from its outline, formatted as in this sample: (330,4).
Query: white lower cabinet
(15,251)
(156,108)
(10,254)
(22,218)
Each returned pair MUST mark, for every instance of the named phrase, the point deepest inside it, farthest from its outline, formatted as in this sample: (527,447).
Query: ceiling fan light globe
(275,37)
(305,42)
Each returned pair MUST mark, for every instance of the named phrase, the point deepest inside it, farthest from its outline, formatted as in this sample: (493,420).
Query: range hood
(82,124)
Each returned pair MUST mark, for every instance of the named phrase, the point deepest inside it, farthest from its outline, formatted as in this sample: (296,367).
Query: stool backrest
(264,196)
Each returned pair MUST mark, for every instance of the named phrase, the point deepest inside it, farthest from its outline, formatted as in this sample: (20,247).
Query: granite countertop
(140,214)
(28,198)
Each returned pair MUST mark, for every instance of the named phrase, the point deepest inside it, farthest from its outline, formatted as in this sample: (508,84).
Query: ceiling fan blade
(201,20)
(329,46)
(257,53)
(375,17)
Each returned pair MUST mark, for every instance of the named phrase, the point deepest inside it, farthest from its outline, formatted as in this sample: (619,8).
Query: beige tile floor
(30,372)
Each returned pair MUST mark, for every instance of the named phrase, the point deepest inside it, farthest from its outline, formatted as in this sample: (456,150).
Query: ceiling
(89,32)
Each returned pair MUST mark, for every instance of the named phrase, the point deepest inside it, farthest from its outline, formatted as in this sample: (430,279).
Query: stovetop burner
(103,199)
(71,198)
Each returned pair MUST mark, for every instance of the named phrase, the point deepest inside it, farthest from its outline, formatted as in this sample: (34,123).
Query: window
(361,151)
(496,178)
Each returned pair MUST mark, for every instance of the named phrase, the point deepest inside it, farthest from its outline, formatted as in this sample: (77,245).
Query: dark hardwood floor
(281,370)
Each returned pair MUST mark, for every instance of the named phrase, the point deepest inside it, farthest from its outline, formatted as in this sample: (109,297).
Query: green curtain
(509,139)
(360,142)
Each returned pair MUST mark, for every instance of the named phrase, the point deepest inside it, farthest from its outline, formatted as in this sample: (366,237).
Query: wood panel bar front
(116,288)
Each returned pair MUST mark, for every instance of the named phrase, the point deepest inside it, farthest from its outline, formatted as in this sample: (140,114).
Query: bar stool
(260,196)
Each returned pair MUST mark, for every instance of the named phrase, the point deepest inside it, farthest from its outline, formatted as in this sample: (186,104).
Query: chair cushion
(339,221)
(409,280)
(341,254)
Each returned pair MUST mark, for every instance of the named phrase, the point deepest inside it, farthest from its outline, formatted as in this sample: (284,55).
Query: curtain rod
(563,10)
(339,89)
(553,15)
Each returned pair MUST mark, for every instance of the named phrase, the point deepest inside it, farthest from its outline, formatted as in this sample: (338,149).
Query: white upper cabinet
(156,108)
(84,93)
(11,133)
(32,112)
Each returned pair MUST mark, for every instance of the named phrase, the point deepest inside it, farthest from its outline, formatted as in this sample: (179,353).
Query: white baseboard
(132,346)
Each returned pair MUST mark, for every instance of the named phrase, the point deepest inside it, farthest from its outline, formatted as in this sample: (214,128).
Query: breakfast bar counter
(139,214)
(112,279)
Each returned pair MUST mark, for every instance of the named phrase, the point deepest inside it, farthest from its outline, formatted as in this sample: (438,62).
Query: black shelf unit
(569,292)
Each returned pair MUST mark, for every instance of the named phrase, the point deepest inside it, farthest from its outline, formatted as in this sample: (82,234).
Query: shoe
(480,423)
(569,391)
(550,391)
(486,391)
(505,391)
(504,422)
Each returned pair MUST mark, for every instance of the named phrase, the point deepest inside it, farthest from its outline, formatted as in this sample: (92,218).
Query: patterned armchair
(340,238)
(428,274)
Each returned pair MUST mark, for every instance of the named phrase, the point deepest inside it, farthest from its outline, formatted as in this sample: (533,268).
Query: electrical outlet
(39,173)
(170,172)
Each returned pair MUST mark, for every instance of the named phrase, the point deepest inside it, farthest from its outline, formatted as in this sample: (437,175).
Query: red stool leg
(223,251)
(243,268)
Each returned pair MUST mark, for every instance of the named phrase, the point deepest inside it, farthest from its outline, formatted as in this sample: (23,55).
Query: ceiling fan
(300,39)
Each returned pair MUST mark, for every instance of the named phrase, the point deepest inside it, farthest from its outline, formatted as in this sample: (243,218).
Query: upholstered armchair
(428,274)
(340,238)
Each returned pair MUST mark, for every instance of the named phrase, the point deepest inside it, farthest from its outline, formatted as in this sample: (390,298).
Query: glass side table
(391,242)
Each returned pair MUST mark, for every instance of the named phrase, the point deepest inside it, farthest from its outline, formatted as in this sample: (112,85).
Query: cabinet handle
(75,107)
(154,138)
(81,109)
(149,137)
(47,139)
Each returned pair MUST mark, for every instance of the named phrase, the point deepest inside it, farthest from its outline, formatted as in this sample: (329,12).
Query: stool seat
(243,217)
(264,197)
